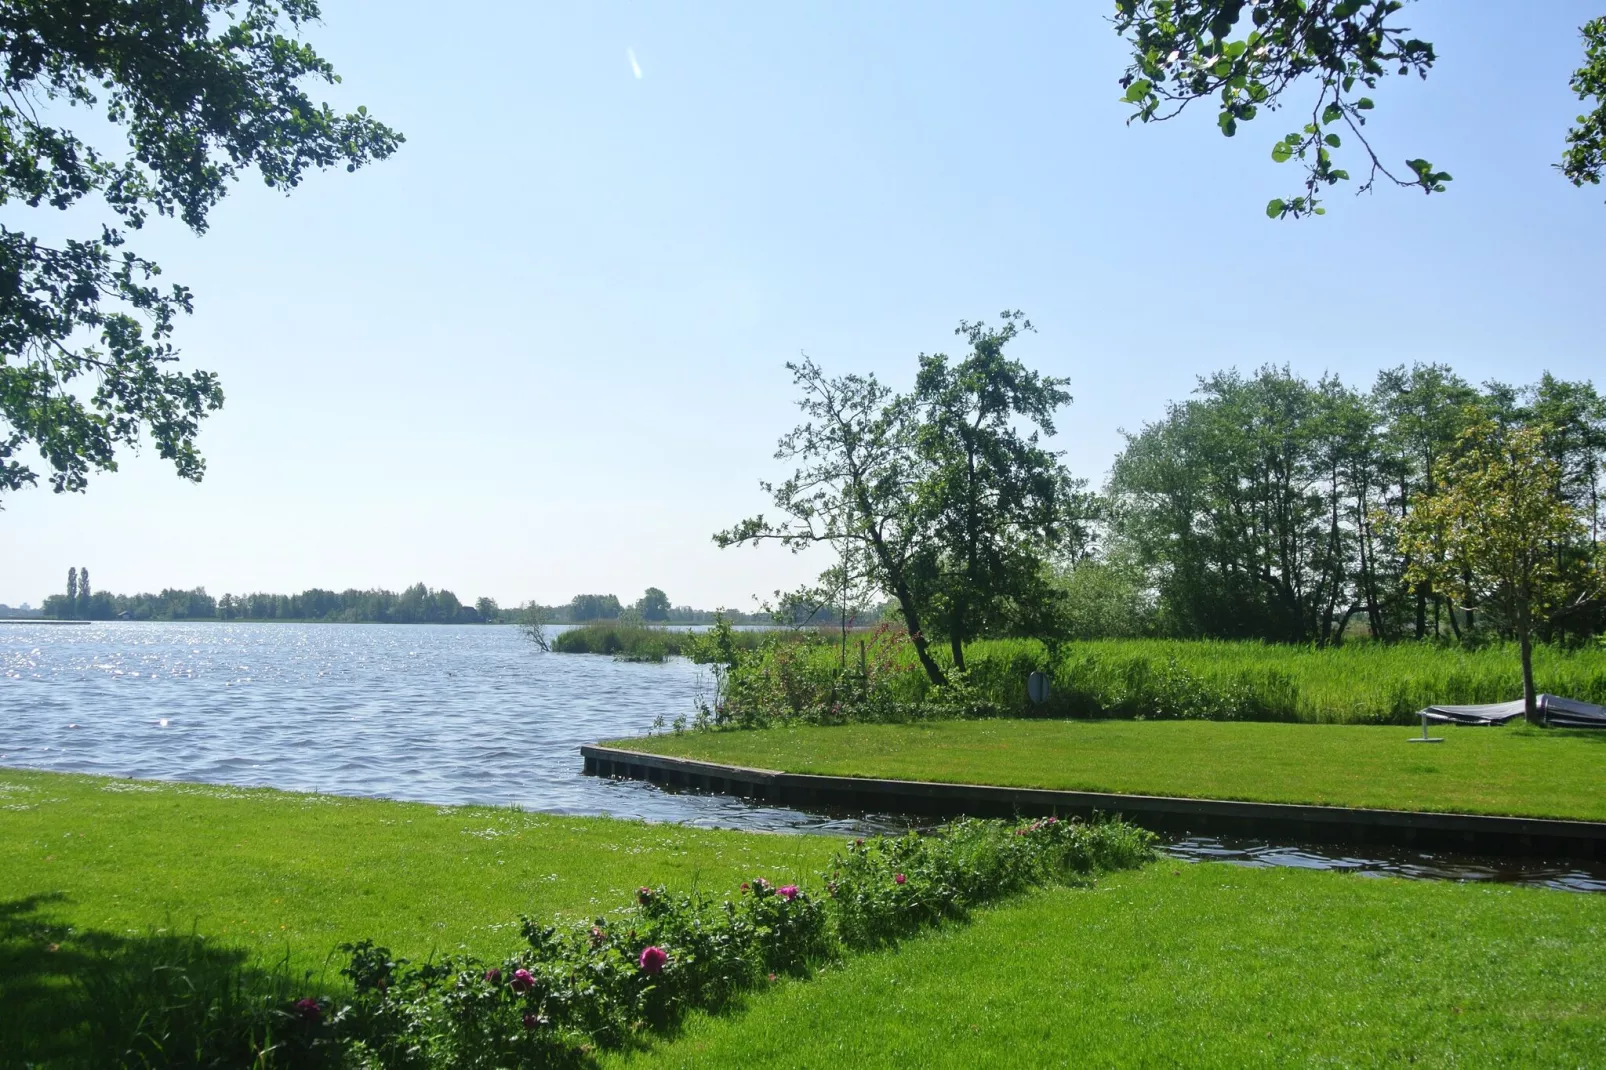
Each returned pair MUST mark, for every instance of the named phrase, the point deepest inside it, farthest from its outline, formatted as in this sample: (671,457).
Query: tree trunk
(956,645)
(1530,705)
(911,620)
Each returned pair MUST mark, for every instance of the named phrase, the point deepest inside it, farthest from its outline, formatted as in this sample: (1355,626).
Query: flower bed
(615,980)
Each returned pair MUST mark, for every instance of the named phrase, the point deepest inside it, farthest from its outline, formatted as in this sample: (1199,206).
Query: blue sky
(540,350)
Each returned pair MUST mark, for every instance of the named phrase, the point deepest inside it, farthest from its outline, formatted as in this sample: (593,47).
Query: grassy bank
(1171,964)
(1513,770)
(270,871)
(1203,965)
(1358,683)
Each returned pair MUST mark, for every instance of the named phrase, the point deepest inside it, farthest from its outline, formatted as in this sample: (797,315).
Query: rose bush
(608,982)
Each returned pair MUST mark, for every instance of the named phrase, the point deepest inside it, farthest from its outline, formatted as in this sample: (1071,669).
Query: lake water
(436,713)
(433,713)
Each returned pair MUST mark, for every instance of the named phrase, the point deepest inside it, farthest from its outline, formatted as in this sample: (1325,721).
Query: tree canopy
(934,495)
(1251,57)
(200,91)
(1269,507)
(1501,534)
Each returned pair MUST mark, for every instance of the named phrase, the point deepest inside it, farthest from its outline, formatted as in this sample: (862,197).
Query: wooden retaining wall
(1469,833)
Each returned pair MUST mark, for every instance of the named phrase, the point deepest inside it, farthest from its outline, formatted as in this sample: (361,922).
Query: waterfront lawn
(1202,965)
(1513,770)
(272,871)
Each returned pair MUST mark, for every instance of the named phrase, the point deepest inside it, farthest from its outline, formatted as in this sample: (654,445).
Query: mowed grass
(1513,770)
(1175,964)
(1202,966)
(275,872)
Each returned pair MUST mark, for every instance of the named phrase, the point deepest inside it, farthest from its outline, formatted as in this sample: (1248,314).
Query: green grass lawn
(267,870)
(1173,964)
(1512,770)
(1202,965)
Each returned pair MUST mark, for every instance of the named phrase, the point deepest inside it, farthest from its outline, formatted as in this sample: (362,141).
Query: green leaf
(1281,152)
(1333,140)
(1275,207)
(1138,90)
(1332,114)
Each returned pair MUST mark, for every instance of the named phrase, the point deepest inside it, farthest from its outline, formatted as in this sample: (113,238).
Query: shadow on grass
(82,998)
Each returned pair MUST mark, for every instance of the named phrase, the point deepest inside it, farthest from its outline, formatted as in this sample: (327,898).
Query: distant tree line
(417,604)
(1271,507)
(653,607)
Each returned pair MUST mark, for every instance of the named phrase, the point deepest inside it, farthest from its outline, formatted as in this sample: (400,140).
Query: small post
(1424,737)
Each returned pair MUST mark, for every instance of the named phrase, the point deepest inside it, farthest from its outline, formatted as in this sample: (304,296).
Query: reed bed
(1358,683)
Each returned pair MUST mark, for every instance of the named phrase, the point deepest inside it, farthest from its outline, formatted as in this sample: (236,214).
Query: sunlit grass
(274,871)
(1202,965)
(1513,770)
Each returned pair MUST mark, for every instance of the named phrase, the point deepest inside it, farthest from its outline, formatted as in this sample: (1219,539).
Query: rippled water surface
(458,714)
(441,713)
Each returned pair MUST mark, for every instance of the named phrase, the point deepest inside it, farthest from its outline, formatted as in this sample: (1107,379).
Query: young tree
(1495,534)
(1246,57)
(83,593)
(72,592)
(857,483)
(487,609)
(997,504)
(203,90)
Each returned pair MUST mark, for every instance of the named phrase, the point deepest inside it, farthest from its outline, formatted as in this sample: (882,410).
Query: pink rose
(787,891)
(523,980)
(653,960)
(493,976)
(309,1009)
(899,879)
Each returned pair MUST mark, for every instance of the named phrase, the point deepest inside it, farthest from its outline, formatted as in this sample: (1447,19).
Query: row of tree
(653,607)
(1266,506)
(1272,507)
(417,604)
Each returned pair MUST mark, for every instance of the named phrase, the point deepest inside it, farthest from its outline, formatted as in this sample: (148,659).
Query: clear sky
(540,350)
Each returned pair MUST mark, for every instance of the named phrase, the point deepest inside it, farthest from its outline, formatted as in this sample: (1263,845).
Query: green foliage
(586,607)
(641,642)
(1104,599)
(1358,683)
(417,604)
(1585,158)
(610,981)
(203,91)
(1258,507)
(653,605)
(933,497)
(997,505)
(1190,50)
(1200,966)
(1500,533)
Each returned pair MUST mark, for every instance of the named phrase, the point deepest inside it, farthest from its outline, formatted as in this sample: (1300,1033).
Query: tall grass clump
(1357,683)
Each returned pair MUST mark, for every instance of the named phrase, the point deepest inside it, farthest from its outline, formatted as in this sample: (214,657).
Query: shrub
(605,983)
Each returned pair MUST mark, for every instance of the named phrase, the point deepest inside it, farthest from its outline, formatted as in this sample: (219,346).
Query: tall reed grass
(1358,683)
